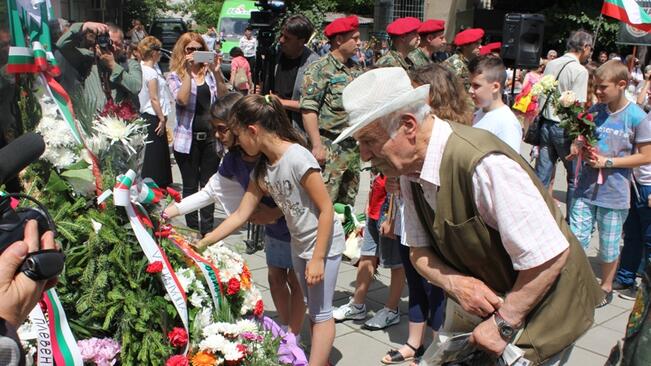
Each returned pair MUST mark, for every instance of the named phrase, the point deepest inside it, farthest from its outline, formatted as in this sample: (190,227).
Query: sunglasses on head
(193,49)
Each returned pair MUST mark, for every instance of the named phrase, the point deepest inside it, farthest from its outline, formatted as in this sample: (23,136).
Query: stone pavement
(354,346)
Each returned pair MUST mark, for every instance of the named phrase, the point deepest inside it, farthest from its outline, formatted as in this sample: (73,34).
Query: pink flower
(100,351)
(177,360)
(178,337)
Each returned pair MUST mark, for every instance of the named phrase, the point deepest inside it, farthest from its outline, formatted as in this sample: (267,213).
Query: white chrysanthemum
(117,130)
(96,144)
(204,317)
(231,352)
(247,325)
(196,299)
(251,298)
(186,277)
(213,343)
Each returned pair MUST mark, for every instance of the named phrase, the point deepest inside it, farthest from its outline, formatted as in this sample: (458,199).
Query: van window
(233,28)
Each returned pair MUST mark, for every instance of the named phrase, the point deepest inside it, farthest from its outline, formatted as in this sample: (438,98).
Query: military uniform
(419,58)
(323,85)
(393,59)
(459,64)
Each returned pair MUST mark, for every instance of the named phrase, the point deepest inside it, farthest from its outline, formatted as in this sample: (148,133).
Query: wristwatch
(507,331)
(609,163)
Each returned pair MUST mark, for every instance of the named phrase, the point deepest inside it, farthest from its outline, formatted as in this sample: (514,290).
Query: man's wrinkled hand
(474,296)
(95,27)
(487,337)
(107,59)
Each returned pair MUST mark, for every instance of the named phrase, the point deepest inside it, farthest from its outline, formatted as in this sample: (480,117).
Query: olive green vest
(463,241)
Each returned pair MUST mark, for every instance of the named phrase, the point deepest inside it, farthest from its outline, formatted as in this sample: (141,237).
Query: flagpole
(596,32)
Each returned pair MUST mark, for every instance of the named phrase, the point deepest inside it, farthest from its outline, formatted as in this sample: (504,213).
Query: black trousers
(196,169)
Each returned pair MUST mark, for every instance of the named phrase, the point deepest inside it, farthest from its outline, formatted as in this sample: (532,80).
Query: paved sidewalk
(354,346)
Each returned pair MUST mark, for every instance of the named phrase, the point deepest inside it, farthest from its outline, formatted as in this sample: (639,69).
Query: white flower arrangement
(60,145)
(546,85)
(113,129)
(229,263)
(251,298)
(191,284)
(567,98)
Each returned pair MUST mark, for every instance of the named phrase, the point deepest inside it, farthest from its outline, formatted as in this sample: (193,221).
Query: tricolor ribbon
(57,344)
(209,271)
(123,196)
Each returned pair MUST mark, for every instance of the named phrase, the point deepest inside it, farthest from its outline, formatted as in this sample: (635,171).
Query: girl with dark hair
(289,173)
(228,186)
(240,71)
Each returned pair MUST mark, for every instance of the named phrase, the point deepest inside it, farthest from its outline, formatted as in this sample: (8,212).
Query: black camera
(42,264)
(104,41)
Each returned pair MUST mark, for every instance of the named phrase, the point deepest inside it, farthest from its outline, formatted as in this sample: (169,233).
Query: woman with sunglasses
(195,86)
(155,106)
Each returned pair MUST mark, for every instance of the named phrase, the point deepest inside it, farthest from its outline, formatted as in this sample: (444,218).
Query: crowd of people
(454,211)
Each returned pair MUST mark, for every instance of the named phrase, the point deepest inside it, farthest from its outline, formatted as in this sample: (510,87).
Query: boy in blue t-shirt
(624,142)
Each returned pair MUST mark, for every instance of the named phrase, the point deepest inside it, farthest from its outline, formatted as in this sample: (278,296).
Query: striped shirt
(185,114)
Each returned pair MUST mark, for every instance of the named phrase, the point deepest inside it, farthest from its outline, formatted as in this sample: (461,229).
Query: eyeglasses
(193,49)
(221,129)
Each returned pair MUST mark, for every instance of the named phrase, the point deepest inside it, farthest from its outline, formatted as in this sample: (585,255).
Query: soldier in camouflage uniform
(404,39)
(432,39)
(323,112)
(468,43)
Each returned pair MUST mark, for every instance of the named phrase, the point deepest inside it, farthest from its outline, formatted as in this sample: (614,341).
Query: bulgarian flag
(629,12)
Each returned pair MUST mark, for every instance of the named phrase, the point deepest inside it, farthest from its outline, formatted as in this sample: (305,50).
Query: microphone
(21,152)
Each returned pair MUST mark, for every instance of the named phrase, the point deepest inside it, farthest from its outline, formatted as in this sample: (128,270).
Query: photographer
(96,67)
(291,62)
(19,293)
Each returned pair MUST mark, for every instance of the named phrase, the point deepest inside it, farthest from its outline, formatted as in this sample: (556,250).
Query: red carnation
(174,194)
(155,267)
(178,337)
(233,286)
(164,231)
(177,360)
(259,309)
(242,348)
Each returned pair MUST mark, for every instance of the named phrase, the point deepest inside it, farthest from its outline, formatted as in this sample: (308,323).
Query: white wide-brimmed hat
(377,93)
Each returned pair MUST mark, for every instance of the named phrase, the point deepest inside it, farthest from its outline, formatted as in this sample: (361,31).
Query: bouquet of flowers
(578,123)
(526,103)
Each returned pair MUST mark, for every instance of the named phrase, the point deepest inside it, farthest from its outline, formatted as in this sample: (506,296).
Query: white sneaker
(382,319)
(350,311)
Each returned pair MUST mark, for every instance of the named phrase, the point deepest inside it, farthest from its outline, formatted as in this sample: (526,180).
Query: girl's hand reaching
(170,212)
(314,271)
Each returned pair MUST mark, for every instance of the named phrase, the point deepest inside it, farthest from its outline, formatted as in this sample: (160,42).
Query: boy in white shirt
(488,76)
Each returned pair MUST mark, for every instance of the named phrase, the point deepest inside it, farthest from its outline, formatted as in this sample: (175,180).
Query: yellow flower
(204,359)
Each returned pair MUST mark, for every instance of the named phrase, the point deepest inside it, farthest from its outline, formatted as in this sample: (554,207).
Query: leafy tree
(144,10)
(204,12)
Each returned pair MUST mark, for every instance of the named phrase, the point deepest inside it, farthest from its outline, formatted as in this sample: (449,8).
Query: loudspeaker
(522,39)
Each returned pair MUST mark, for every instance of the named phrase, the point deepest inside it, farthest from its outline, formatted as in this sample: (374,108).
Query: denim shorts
(278,252)
(388,251)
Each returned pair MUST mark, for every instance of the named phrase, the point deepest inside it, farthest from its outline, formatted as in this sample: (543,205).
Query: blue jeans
(554,145)
(637,236)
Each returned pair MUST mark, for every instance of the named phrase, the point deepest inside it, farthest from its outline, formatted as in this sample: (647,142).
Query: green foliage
(566,17)
(144,10)
(204,12)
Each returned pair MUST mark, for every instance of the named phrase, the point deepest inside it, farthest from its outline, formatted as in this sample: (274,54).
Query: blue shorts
(278,252)
(388,251)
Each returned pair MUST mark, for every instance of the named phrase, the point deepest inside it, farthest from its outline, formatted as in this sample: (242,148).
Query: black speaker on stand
(522,39)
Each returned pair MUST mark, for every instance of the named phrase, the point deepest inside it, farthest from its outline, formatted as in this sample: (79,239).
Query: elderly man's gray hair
(578,40)
(391,121)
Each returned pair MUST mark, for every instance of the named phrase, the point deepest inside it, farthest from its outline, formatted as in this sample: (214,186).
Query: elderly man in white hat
(478,222)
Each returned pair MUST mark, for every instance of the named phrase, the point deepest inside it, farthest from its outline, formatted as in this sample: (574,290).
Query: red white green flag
(629,12)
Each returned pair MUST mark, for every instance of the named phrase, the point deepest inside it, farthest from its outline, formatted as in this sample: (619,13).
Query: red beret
(402,26)
(468,36)
(341,25)
(431,26)
(490,47)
